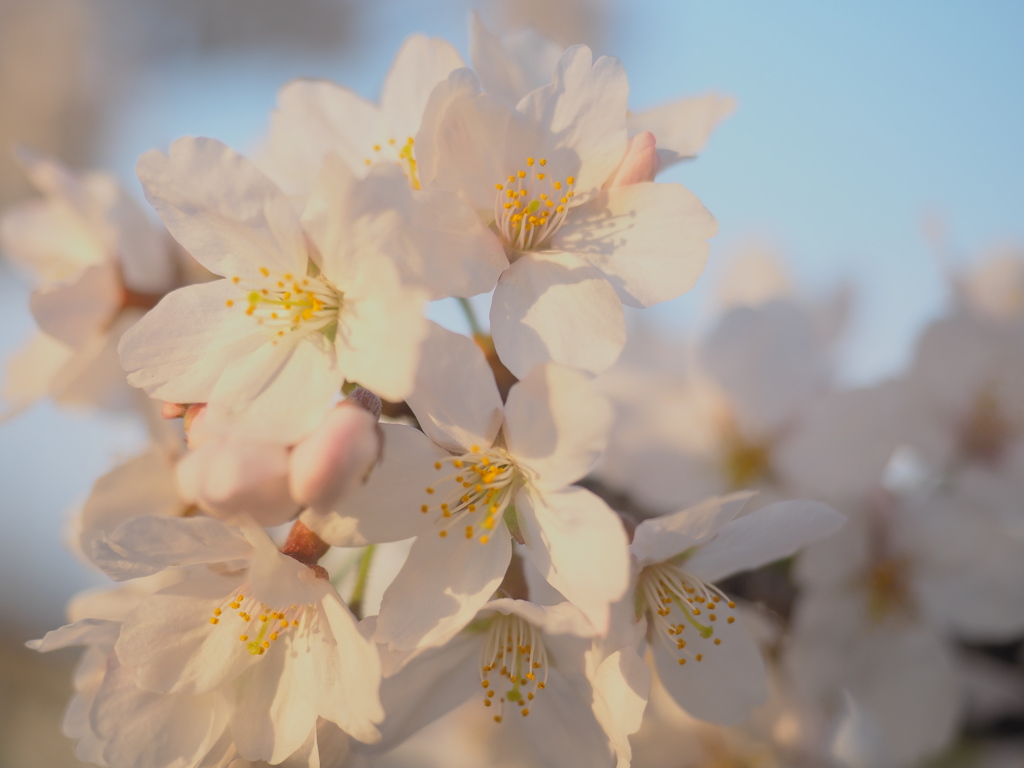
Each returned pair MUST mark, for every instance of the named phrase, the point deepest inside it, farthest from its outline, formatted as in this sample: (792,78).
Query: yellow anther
(376,147)
(214,620)
(216,611)
(430,490)
(718,641)
(731,619)
(475,449)
(243,638)
(570,180)
(681,662)
(484,539)
(526,711)
(486,683)
(497,718)
(273,635)
(424,508)
(264,271)
(498,187)
(521,174)
(469,531)
(442,534)
(699,657)
(368,161)
(540,176)
(529,161)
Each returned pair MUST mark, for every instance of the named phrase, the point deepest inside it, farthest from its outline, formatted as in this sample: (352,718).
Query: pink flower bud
(638,165)
(227,477)
(172,410)
(335,460)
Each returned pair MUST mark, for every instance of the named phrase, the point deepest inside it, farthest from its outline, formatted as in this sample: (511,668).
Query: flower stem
(467,310)
(362,576)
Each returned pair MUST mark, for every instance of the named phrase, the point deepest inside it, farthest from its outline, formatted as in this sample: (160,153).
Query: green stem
(362,576)
(467,310)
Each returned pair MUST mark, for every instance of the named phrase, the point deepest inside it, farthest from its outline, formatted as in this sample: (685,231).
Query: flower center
(402,154)
(531,206)
(481,485)
(285,303)
(676,600)
(513,648)
(888,588)
(261,624)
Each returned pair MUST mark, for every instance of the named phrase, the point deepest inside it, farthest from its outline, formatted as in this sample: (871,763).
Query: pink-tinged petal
(336,459)
(30,370)
(583,110)
(229,216)
(441,587)
(554,307)
(172,731)
(346,672)
(459,144)
(380,333)
(726,684)
(428,687)
(648,239)
(82,632)
(179,350)
(420,64)
(74,311)
(140,487)
(556,425)
(682,127)
(456,399)
(313,119)
(639,164)
(763,536)
(93,376)
(145,252)
(170,646)
(578,544)
(238,477)
(622,684)
(387,507)
(144,545)
(511,67)
(661,538)
(284,391)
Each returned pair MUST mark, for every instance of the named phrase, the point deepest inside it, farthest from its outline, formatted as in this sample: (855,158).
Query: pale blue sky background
(856,121)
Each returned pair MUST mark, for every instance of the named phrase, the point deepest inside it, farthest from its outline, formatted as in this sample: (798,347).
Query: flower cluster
(510,518)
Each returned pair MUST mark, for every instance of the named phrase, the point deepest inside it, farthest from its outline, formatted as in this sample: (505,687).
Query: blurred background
(875,144)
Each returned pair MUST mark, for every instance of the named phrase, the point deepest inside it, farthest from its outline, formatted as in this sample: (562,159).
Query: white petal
(441,587)
(284,391)
(276,579)
(380,333)
(421,63)
(556,425)
(682,127)
(726,684)
(166,731)
(314,118)
(83,632)
(763,536)
(584,110)
(144,545)
(660,538)
(74,311)
(456,399)
(387,507)
(649,239)
(622,684)
(578,544)
(229,216)
(510,68)
(170,646)
(347,673)
(552,307)
(178,351)
(557,619)
(141,486)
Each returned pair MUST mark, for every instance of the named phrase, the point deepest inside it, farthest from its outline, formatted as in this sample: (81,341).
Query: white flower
(250,621)
(317,117)
(705,656)
(511,66)
(305,304)
(95,259)
(524,664)
(480,476)
(534,174)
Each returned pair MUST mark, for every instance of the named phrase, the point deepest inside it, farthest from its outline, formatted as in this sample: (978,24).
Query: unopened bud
(639,164)
(230,477)
(334,460)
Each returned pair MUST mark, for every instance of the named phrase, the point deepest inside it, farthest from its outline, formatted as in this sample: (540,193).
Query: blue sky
(856,122)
